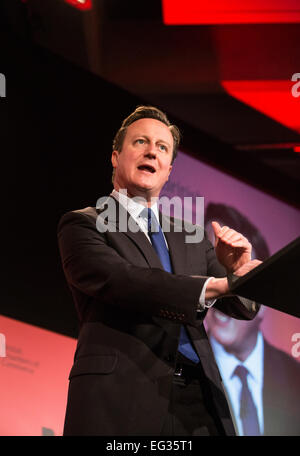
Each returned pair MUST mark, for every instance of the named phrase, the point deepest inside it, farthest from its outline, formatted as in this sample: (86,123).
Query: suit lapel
(121,221)
(141,241)
(175,240)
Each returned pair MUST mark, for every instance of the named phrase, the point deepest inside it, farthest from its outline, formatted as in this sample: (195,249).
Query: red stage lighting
(188,12)
(273,98)
(82,5)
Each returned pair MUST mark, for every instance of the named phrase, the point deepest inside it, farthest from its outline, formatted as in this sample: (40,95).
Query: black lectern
(276,282)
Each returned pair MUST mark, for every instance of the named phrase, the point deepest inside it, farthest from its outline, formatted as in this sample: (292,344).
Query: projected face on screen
(238,337)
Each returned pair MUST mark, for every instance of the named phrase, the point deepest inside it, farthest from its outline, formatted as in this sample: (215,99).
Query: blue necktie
(248,412)
(159,245)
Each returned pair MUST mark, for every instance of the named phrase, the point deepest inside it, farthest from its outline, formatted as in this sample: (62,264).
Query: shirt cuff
(205,304)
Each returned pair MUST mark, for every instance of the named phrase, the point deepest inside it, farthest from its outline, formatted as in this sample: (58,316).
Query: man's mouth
(148,168)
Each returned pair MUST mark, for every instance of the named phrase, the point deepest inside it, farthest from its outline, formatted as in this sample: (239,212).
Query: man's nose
(151,150)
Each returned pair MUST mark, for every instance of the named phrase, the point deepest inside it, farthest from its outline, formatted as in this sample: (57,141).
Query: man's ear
(170,169)
(114,158)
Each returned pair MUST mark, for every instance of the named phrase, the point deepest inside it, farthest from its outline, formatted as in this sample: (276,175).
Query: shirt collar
(228,362)
(132,206)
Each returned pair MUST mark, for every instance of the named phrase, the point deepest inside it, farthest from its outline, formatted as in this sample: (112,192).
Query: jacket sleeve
(98,271)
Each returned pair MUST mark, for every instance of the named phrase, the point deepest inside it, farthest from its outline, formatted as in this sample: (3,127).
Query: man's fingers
(223,231)
(241,245)
(247,267)
(232,237)
(228,235)
(256,263)
(238,241)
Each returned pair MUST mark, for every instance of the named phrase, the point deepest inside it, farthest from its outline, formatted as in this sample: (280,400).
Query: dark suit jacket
(130,312)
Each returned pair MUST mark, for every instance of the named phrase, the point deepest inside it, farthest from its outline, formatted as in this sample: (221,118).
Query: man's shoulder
(88,213)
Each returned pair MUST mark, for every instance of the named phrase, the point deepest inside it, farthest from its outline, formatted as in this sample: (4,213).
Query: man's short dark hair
(146,112)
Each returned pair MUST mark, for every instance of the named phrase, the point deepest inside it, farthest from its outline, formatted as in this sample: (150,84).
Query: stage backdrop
(34,369)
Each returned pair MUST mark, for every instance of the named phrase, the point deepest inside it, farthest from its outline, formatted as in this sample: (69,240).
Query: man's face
(144,163)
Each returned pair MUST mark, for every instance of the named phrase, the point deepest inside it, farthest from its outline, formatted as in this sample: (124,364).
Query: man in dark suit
(143,364)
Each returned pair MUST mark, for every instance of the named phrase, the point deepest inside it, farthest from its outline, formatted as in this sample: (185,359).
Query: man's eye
(140,141)
(163,147)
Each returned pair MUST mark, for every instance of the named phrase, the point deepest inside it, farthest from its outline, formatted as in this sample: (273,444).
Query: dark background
(57,125)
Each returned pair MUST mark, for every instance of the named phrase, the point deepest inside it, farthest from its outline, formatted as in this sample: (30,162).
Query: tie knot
(241,372)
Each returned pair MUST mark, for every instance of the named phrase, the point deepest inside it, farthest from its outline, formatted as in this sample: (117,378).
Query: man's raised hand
(232,248)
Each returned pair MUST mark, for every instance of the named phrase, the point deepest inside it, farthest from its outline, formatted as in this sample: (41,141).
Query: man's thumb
(216,227)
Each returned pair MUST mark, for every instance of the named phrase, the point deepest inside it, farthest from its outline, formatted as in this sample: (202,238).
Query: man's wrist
(203,303)
(216,288)
(231,278)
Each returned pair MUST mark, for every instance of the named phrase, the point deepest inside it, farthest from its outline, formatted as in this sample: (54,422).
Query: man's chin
(144,189)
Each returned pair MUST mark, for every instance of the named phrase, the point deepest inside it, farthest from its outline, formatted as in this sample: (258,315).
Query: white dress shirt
(135,208)
(233,385)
